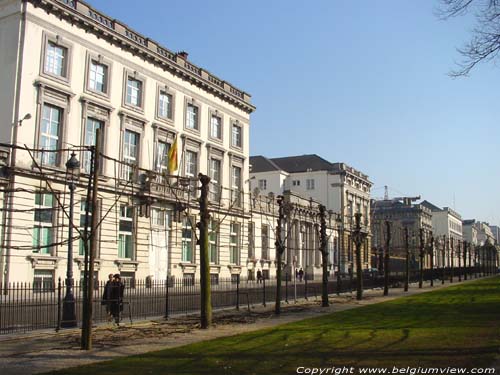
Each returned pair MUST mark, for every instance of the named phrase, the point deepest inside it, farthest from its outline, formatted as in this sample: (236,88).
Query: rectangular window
(43,229)
(84,223)
(91,127)
(236,186)
(212,241)
(162,157)
(98,77)
(125,241)
(251,241)
(49,134)
(310,184)
(234,239)
(262,184)
(165,105)
(187,241)
(216,127)
(236,139)
(130,154)
(296,183)
(265,241)
(192,117)
(43,281)
(191,163)
(215,179)
(134,92)
(55,59)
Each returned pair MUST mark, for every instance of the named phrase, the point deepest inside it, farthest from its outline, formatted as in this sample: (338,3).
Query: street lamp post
(69,315)
(359,237)
(340,226)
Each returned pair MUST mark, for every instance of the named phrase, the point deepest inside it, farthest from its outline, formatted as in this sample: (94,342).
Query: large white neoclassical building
(68,69)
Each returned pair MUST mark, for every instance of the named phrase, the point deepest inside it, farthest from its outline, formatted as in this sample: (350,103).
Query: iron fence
(31,306)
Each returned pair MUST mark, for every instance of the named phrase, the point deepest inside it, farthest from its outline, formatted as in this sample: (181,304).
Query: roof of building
(303,163)
(431,206)
(260,163)
(468,221)
(118,33)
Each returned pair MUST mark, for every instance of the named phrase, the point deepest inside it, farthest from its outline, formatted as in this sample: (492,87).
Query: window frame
(236,190)
(96,111)
(134,75)
(167,90)
(101,60)
(131,219)
(135,125)
(310,184)
(186,224)
(211,114)
(59,41)
(235,246)
(56,97)
(213,224)
(236,124)
(195,104)
(39,224)
(263,184)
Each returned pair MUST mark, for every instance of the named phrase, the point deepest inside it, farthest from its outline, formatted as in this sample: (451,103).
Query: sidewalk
(45,351)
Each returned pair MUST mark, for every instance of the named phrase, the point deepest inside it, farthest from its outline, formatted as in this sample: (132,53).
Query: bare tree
(484,44)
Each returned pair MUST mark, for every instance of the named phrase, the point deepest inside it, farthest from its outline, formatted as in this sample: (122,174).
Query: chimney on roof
(183,54)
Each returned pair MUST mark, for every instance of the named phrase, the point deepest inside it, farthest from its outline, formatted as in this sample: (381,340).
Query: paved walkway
(45,351)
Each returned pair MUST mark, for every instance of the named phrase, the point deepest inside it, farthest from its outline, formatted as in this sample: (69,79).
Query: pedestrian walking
(301,274)
(106,297)
(259,276)
(116,297)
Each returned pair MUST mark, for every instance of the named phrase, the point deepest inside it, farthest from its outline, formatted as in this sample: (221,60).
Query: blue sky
(363,82)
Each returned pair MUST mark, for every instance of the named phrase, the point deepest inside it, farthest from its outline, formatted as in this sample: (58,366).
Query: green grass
(457,326)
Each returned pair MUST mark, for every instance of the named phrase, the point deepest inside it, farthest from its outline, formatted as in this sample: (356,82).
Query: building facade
(447,229)
(403,215)
(342,189)
(69,69)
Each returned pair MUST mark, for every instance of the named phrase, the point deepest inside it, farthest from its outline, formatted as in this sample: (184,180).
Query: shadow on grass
(458,326)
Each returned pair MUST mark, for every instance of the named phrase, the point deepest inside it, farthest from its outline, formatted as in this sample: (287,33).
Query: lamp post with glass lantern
(69,315)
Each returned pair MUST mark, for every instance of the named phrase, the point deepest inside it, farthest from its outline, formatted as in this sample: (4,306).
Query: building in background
(447,222)
(402,213)
(342,189)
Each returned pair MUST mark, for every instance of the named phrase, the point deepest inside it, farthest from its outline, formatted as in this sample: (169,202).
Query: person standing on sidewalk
(116,297)
(106,297)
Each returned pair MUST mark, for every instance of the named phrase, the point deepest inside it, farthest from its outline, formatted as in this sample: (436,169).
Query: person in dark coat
(116,297)
(259,276)
(301,274)
(106,296)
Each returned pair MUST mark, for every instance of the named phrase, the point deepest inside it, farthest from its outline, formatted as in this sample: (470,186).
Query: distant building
(447,222)
(469,231)
(341,188)
(496,233)
(402,214)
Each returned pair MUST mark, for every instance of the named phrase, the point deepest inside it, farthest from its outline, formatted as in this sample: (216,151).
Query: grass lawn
(457,326)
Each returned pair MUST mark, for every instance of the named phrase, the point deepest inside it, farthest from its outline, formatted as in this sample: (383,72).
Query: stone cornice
(79,13)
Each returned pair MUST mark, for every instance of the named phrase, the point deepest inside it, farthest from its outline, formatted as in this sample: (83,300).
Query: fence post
(59,288)
(264,292)
(166,298)
(237,292)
